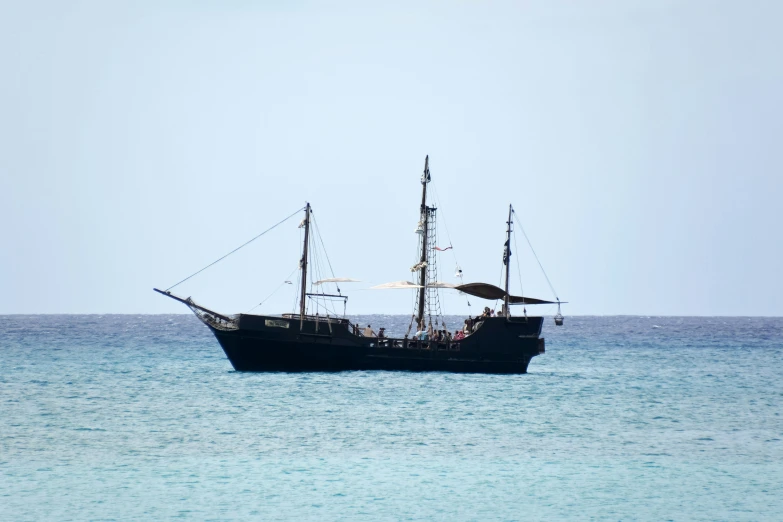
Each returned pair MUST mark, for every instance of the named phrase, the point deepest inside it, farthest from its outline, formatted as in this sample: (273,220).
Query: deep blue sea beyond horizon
(141,417)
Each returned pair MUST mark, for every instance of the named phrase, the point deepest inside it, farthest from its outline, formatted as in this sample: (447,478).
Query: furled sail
(492,292)
(337,280)
(395,285)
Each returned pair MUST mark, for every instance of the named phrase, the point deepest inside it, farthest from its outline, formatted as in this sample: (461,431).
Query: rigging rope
(519,271)
(500,285)
(298,275)
(317,272)
(286,281)
(453,251)
(433,294)
(296,294)
(237,248)
(321,239)
(534,255)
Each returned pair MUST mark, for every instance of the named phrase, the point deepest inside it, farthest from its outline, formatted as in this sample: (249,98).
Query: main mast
(507,260)
(425,179)
(302,303)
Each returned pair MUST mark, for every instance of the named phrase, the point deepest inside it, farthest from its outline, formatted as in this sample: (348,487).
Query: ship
(315,339)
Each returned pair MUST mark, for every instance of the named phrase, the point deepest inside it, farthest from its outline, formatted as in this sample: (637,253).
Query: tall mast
(302,303)
(507,260)
(425,178)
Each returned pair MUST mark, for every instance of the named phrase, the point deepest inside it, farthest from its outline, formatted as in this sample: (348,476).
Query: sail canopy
(492,292)
(394,285)
(337,280)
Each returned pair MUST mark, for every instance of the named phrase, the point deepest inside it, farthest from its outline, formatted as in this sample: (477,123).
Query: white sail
(337,280)
(395,285)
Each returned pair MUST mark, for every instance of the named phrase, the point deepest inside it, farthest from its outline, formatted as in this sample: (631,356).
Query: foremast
(303,263)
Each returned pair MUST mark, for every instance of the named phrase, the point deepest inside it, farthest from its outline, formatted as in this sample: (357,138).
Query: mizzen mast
(507,260)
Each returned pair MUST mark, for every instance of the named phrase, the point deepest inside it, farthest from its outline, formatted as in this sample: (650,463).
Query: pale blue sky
(638,140)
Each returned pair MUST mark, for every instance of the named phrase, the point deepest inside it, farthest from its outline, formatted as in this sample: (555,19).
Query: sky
(639,142)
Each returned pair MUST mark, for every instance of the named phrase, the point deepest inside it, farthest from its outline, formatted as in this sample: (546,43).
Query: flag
(443,249)
(506,252)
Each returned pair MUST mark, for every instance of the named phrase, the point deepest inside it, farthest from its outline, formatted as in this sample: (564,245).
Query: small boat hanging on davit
(319,338)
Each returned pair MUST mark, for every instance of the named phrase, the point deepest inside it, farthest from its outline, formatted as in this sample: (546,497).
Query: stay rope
(285,281)
(237,248)
(519,270)
(326,253)
(535,256)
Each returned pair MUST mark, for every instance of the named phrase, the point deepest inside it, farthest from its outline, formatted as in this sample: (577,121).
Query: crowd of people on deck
(427,333)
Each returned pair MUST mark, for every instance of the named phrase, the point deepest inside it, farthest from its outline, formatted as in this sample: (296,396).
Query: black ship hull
(289,344)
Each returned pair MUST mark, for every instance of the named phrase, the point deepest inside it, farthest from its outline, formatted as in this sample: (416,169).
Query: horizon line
(405,315)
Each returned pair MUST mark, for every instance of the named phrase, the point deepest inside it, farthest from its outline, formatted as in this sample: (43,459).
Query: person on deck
(382,333)
(476,323)
(459,335)
(368,332)
(421,334)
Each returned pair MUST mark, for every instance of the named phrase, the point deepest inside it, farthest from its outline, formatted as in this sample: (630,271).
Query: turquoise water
(624,418)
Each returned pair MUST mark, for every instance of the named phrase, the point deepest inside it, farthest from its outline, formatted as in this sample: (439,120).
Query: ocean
(141,417)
